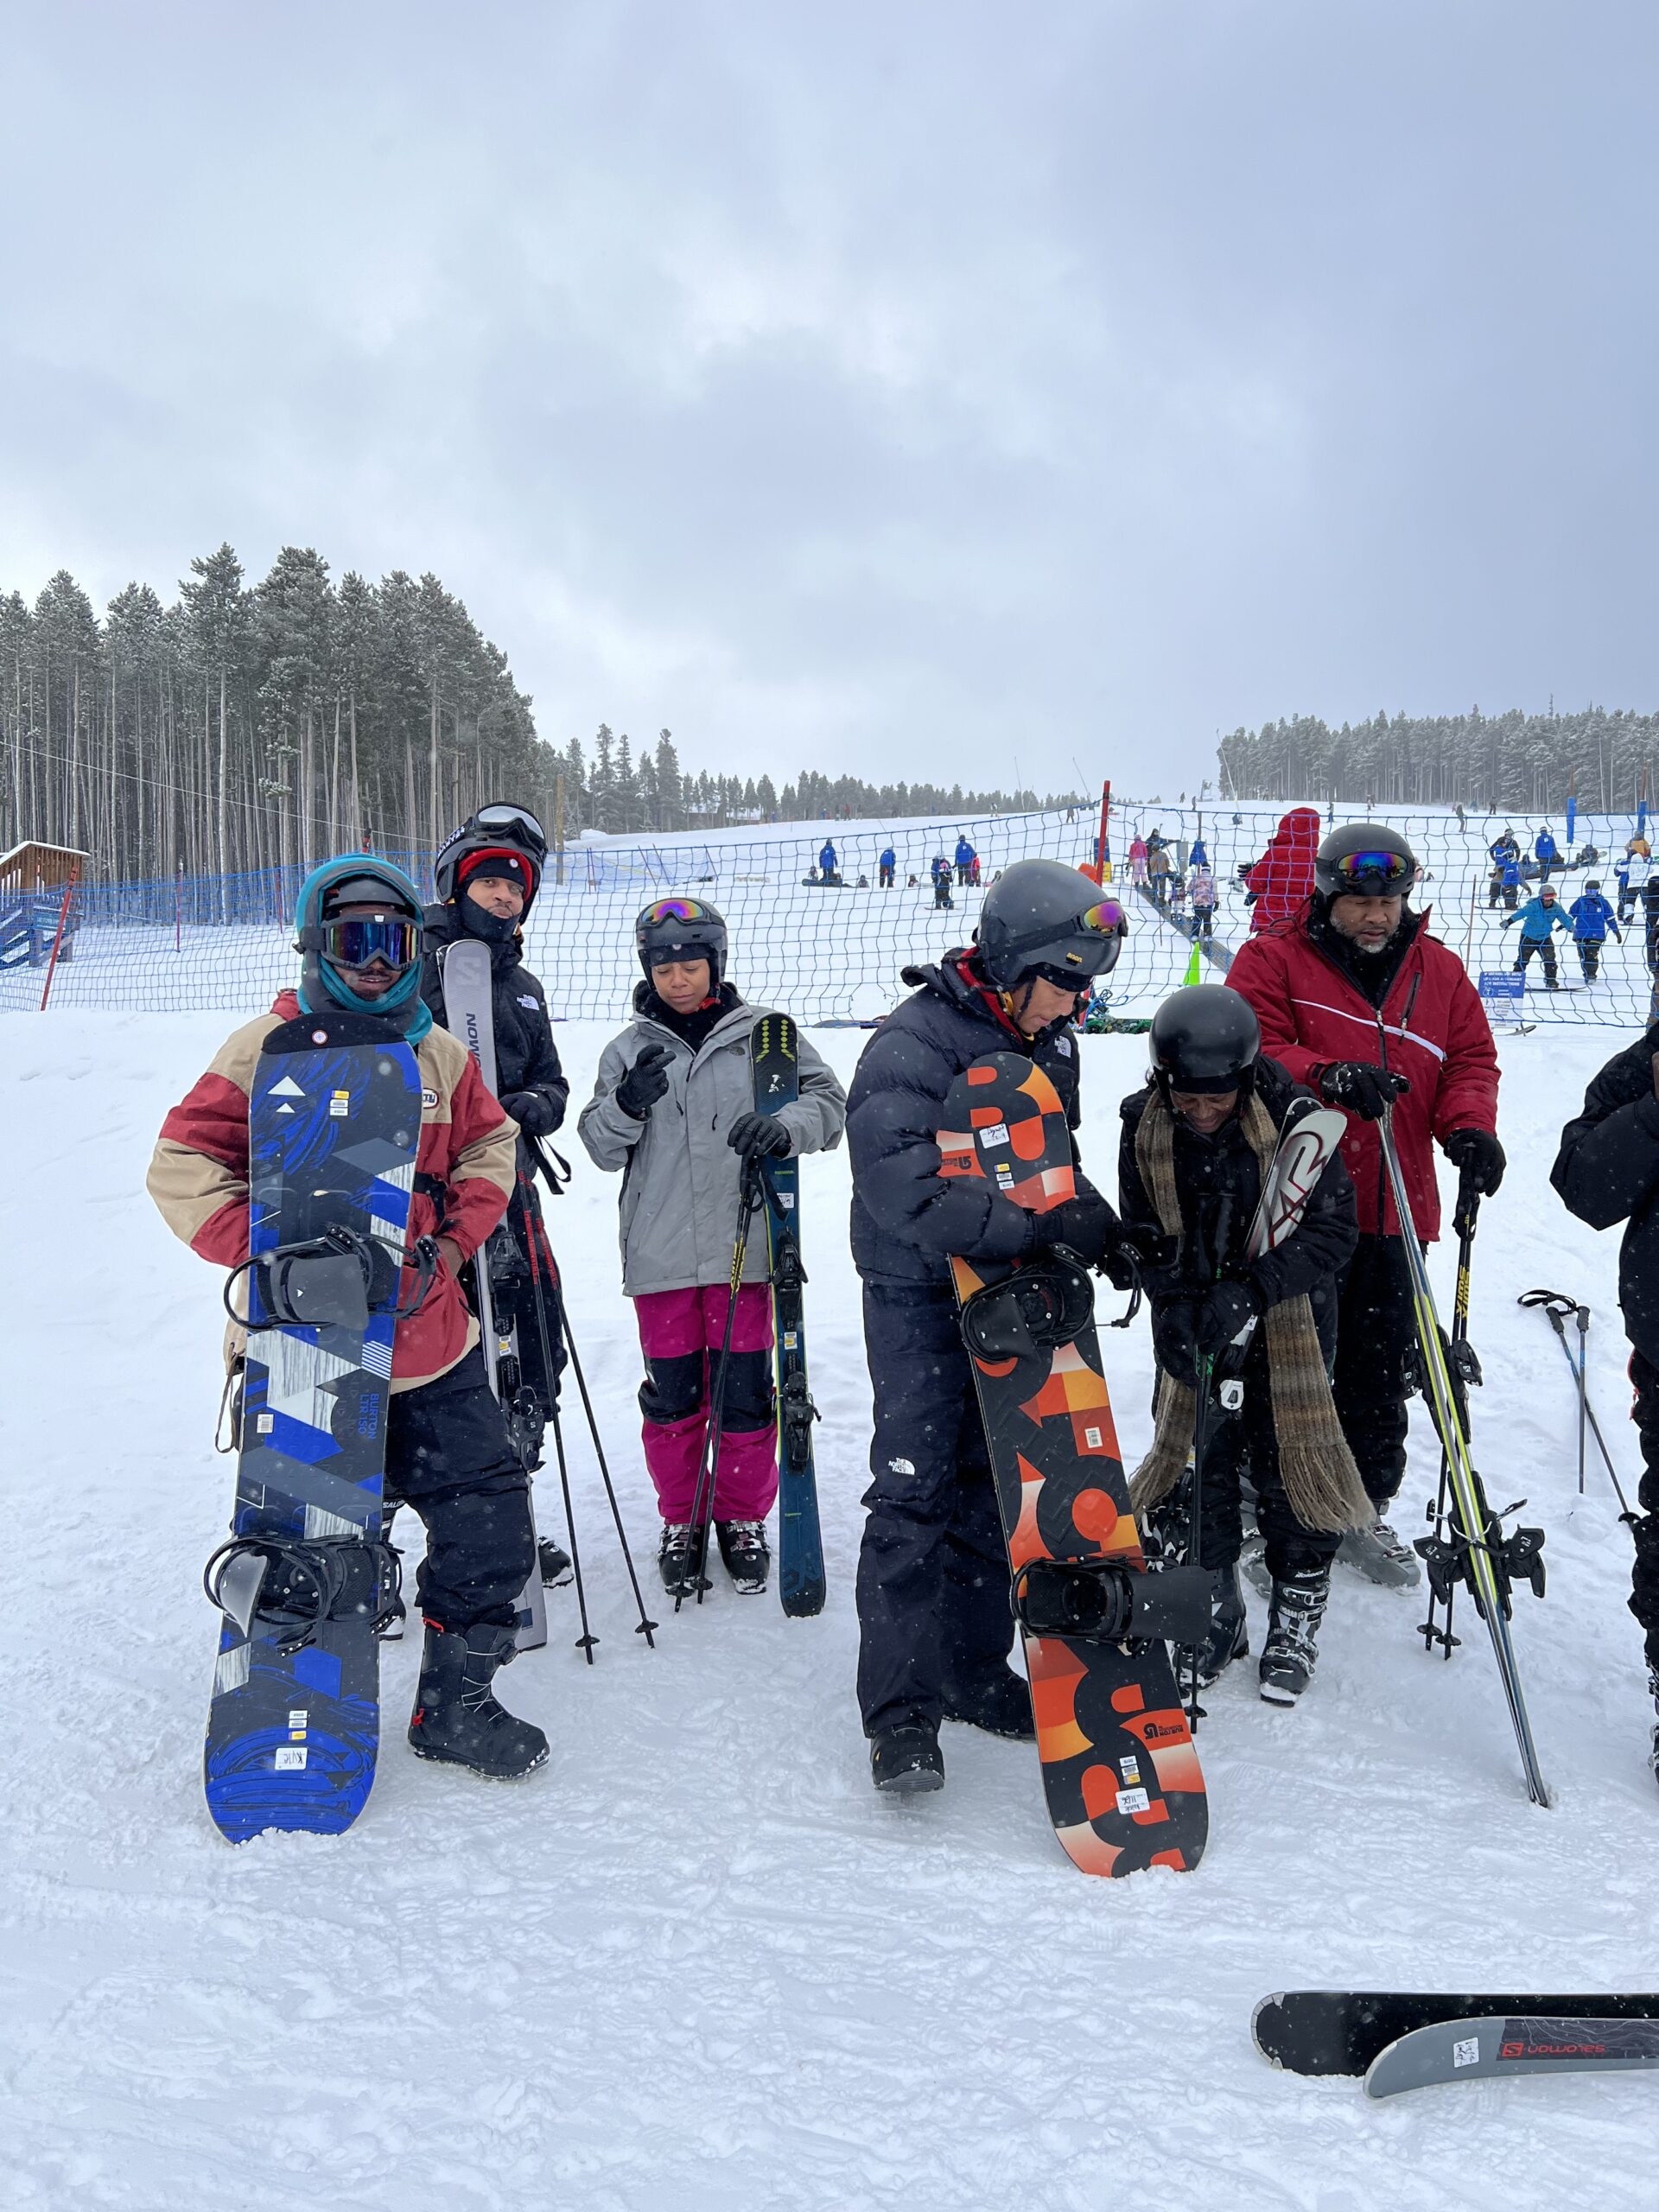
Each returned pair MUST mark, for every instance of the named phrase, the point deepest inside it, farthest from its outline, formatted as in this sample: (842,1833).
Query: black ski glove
(1085,1225)
(1223,1311)
(1173,1342)
(645,1082)
(759,1136)
(1478,1157)
(533,1110)
(1362,1089)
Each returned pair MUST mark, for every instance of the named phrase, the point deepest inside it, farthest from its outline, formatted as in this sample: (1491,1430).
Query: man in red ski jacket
(1358,1001)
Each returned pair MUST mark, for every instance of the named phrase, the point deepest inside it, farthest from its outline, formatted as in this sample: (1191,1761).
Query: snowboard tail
(1121,1774)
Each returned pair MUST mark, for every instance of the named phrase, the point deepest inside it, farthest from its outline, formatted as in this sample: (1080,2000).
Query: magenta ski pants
(680,1333)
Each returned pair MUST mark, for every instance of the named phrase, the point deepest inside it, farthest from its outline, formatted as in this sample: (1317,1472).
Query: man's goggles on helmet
(510,821)
(357,939)
(1377,875)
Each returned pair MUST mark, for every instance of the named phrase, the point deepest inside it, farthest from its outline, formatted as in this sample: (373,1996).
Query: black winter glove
(1087,1226)
(1223,1311)
(645,1082)
(533,1110)
(1478,1158)
(759,1136)
(1173,1342)
(1363,1090)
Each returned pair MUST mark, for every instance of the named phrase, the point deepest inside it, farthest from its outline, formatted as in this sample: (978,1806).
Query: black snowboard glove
(533,1110)
(1478,1158)
(1223,1311)
(759,1136)
(1085,1225)
(1173,1342)
(645,1082)
(1362,1089)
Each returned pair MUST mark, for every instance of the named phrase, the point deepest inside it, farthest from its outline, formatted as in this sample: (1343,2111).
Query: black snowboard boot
(556,1564)
(904,1762)
(1229,1637)
(456,1717)
(679,1558)
(999,1704)
(743,1548)
(1288,1656)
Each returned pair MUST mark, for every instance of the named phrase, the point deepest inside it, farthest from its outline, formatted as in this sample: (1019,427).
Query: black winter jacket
(1607,1171)
(907,1219)
(1218,1182)
(526,1057)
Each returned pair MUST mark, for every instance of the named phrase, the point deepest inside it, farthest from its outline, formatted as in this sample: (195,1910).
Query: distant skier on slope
(448,1455)
(673,1107)
(1358,1001)
(934,1618)
(1540,918)
(1592,917)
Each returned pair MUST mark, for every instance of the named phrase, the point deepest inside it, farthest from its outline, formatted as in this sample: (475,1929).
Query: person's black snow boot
(1229,1637)
(556,1564)
(743,1548)
(1001,1705)
(456,1717)
(904,1762)
(680,1556)
(1291,1648)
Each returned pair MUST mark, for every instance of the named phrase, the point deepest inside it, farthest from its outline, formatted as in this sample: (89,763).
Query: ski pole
(1584,1398)
(708,1466)
(1205,1385)
(586,1640)
(1555,1305)
(645,1625)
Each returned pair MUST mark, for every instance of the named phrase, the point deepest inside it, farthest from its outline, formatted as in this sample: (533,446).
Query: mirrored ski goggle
(1378,872)
(355,942)
(512,819)
(1107,918)
(673,910)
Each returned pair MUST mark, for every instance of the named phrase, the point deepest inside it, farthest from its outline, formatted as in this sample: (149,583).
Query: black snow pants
(448,1457)
(1376,1357)
(1244,1444)
(933,1609)
(1644,1575)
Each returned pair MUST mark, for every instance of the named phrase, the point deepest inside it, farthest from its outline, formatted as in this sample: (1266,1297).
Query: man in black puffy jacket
(935,1623)
(488,873)
(1607,1171)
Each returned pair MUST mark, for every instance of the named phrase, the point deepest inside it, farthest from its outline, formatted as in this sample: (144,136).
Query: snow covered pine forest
(696,1961)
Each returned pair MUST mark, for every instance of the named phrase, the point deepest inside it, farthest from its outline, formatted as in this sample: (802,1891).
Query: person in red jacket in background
(1358,1001)
(448,1454)
(1279,883)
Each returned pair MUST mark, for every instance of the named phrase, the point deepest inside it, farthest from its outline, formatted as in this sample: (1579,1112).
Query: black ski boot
(743,1548)
(1230,1636)
(1001,1705)
(904,1762)
(679,1558)
(456,1717)
(556,1564)
(1379,1554)
(1288,1656)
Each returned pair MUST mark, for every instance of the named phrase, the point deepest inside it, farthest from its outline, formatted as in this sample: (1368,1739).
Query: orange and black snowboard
(1120,1770)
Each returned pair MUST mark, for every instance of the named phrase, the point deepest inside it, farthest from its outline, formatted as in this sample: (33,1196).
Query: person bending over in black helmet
(1196,1144)
(935,1622)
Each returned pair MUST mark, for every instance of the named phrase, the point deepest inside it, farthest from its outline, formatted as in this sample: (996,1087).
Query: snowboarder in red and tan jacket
(447,1452)
(1359,1002)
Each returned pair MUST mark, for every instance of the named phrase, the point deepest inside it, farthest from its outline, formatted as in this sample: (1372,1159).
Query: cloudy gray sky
(900,389)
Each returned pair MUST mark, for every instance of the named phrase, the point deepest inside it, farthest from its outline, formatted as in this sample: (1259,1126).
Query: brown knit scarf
(1320,1479)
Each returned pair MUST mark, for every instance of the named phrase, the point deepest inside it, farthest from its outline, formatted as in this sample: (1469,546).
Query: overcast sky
(906,390)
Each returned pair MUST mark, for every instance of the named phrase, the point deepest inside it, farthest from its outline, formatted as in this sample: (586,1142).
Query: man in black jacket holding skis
(1607,1171)
(487,875)
(935,1623)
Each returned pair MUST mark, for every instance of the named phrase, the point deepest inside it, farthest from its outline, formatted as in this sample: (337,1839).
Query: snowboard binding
(1103,1602)
(1038,1307)
(296,1585)
(334,1280)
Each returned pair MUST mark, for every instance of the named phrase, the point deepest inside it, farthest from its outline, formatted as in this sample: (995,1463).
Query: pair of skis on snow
(1399,2041)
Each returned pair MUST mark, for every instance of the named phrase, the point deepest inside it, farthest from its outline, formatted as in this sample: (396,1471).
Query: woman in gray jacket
(673,1107)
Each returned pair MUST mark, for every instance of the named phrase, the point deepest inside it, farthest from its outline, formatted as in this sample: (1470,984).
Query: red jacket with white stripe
(1431,1028)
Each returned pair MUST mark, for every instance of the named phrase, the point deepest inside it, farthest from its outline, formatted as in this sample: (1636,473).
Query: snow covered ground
(696,1962)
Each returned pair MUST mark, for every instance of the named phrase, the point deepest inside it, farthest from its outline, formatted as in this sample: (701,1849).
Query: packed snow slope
(695,1961)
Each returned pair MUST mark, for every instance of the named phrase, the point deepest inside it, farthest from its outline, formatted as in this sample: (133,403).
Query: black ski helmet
(1206,1038)
(512,832)
(1366,858)
(681,929)
(1041,918)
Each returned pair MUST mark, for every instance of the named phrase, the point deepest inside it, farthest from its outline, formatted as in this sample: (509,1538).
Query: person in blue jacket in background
(1592,916)
(887,863)
(965,858)
(830,867)
(1545,852)
(1539,919)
